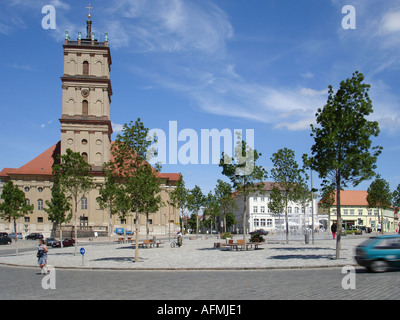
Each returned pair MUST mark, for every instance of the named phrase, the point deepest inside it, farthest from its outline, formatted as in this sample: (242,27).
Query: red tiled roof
(352,198)
(41,165)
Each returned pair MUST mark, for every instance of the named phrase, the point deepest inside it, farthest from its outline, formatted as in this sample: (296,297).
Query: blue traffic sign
(82,251)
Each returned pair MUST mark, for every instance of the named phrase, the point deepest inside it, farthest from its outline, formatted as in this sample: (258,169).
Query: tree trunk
(287,224)
(15,236)
(137,237)
(244,219)
(61,235)
(76,227)
(339,219)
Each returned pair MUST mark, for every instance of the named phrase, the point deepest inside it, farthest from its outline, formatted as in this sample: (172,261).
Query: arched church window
(85,156)
(85,68)
(85,108)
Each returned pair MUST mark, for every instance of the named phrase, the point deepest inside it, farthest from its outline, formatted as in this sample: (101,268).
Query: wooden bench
(242,244)
(158,242)
(121,240)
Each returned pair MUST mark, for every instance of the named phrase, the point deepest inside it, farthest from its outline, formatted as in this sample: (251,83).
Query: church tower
(86,97)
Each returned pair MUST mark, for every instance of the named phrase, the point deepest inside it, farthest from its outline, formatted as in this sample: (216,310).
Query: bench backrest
(240,241)
(230,241)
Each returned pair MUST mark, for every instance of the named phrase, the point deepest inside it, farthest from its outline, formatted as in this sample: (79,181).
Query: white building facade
(259,216)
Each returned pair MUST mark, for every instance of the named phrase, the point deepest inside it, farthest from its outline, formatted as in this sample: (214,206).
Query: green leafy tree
(75,180)
(108,195)
(196,200)
(396,197)
(289,179)
(13,205)
(131,152)
(342,152)
(379,196)
(277,202)
(179,196)
(246,177)
(58,207)
(225,201)
(151,201)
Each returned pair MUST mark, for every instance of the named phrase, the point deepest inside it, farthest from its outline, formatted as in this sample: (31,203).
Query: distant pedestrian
(398,229)
(334,229)
(42,256)
(179,238)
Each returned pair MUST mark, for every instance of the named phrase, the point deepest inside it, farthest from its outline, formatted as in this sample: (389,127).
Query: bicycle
(176,243)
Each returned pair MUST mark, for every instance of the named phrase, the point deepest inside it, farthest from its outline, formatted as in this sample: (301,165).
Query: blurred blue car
(379,253)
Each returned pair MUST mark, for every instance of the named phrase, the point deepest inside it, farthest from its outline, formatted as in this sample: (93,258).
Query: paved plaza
(195,254)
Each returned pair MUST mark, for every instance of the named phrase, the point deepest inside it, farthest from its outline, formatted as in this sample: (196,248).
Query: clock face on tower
(85,93)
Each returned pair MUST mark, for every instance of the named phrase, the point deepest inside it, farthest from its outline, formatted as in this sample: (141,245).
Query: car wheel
(379,266)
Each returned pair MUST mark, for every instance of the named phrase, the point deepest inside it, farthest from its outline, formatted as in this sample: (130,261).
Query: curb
(184,268)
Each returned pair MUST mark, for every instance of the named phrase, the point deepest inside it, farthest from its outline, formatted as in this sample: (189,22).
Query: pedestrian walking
(179,238)
(334,229)
(42,256)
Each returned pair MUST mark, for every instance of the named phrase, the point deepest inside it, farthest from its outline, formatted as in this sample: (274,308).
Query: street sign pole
(82,251)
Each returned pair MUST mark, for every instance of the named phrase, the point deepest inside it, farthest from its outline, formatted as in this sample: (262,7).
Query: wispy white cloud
(117,128)
(169,26)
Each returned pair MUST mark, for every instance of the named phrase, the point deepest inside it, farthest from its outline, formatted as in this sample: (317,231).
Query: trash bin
(307,238)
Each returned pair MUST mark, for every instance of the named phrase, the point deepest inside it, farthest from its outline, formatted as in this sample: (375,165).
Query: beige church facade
(85,128)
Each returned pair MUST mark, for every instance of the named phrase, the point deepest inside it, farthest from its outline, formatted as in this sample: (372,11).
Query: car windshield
(367,242)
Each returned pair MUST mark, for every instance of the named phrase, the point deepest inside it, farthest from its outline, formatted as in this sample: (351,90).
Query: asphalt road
(298,284)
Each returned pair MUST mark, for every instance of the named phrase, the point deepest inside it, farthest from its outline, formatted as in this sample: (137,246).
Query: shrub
(226,235)
(256,237)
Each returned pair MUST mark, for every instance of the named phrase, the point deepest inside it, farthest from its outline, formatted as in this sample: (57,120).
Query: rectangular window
(255,209)
(254,198)
(262,209)
(346,212)
(360,212)
(269,222)
(256,222)
(352,212)
(262,222)
(27,219)
(84,203)
(40,204)
(40,219)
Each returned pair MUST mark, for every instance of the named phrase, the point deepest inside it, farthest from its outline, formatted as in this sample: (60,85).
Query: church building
(85,128)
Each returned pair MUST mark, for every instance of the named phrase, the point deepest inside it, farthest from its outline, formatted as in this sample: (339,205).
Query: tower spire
(89,16)
(89,24)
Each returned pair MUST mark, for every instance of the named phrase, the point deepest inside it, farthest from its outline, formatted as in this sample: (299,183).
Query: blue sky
(226,64)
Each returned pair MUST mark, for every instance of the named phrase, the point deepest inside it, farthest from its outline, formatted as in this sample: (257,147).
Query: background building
(260,217)
(355,212)
(85,128)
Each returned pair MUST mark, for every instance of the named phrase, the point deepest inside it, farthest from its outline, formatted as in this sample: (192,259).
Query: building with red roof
(85,128)
(355,212)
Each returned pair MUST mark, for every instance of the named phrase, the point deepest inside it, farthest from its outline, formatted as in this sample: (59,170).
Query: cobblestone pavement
(296,284)
(195,254)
